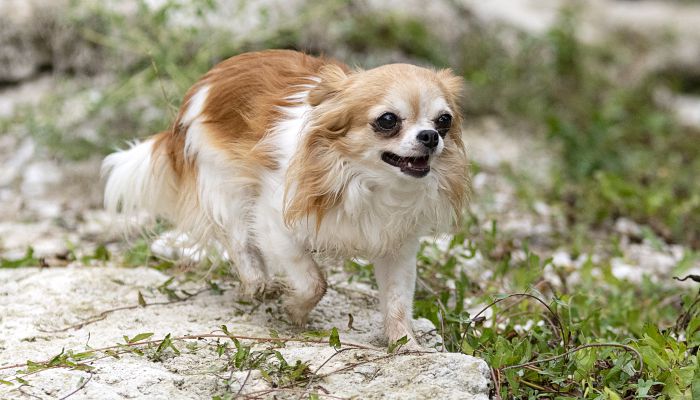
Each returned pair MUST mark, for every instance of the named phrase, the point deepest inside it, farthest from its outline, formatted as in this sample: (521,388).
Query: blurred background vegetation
(604,113)
(620,150)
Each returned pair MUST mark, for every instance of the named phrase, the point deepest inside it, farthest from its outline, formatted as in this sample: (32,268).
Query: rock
(39,304)
(22,50)
(667,29)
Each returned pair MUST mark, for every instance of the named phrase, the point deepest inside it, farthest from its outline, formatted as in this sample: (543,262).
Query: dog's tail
(141,178)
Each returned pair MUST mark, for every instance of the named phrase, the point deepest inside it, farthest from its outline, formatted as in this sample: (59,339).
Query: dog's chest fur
(375,215)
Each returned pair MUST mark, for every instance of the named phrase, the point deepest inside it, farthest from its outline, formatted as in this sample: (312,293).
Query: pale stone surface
(37,302)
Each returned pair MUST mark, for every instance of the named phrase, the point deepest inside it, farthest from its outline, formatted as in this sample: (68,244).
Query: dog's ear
(452,83)
(332,81)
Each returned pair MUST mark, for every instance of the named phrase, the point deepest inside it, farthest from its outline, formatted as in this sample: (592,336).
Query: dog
(277,154)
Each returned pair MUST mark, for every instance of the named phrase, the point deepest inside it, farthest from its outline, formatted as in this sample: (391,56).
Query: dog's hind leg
(226,195)
(248,263)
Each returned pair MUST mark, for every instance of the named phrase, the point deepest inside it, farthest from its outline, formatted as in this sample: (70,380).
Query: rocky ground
(76,308)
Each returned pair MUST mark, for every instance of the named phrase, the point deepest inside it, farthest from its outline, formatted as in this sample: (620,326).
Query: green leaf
(643,387)
(395,346)
(83,367)
(112,353)
(654,334)
(693,326)
(142,301)
(652,359)
(221,348)
(101,254)
(140,337)
(241,356)
(138,255)
(316,334)
(695,386)
(215,288)
(672,385)
(265,375)
(174,349)
(334,339)
(610,394)
(57,359)
(27,261)
(585,360)
(167,343)
(224,329)
(6,382)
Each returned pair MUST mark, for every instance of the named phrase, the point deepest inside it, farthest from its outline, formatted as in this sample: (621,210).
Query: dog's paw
(298,317)
(254,289)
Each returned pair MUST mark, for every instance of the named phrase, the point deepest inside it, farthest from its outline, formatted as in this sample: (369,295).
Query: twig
(556,325)
(311,379)
(247,376)
(257,394)
(585,346)
(495,376)
(212,335)
(169,105)
(357,364)
(29,394)
(684,319)
(695,278)
(79,388)
(238,393)
(104,314)
(535,386)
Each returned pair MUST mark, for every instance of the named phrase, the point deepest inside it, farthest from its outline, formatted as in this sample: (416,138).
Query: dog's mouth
(414,166)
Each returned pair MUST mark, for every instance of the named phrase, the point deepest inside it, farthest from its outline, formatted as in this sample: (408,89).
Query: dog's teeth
(410,164)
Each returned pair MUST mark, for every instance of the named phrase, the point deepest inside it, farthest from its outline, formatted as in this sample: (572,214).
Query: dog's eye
(387,121)
(443,124)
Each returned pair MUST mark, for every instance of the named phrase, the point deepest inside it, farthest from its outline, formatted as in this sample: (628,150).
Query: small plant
(28,260)
(602,339)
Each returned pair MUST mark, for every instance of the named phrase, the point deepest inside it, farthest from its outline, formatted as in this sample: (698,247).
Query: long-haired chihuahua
(276,154)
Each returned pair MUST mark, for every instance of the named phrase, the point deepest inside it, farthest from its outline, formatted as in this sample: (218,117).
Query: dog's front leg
(396,277)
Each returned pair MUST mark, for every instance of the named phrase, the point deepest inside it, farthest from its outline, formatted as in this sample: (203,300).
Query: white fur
(381,216)
(137,181)
(223,200)
(195,105)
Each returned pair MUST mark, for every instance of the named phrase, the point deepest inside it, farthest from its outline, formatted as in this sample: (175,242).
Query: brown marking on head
(340,131)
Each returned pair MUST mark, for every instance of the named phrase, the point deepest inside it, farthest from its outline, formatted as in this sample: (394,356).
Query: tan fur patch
(245,93)
(339,131)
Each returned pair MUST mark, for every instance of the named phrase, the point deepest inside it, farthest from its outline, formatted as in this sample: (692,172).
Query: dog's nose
(429,138)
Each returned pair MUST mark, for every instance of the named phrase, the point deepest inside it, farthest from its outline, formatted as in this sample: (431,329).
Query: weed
(28,260)
(604,338)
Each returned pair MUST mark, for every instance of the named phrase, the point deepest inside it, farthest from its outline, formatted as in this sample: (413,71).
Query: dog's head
(398,123)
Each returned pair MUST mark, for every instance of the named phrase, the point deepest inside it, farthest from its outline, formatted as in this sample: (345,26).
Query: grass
(619,153)
(656,320)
